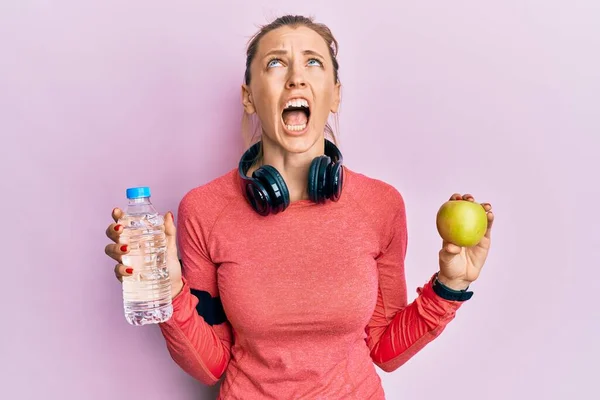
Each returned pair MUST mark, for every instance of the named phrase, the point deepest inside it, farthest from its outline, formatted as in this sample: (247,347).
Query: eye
(273,62)
(315,62)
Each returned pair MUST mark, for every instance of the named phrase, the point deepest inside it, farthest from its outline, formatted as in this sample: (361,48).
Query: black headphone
(267,192)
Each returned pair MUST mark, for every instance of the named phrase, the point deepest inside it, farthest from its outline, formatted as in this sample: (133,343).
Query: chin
(300,141)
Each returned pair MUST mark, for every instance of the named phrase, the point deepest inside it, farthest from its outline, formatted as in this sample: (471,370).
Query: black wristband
(447,293)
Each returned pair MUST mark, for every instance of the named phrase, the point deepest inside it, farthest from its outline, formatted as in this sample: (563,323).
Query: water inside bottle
(147,292)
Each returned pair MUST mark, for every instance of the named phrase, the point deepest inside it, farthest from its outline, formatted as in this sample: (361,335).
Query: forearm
(412,328)
(192,343)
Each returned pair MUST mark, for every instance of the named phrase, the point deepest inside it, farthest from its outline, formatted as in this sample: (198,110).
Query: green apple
(461,222)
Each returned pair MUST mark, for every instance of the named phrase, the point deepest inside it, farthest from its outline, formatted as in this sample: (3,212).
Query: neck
(293,167)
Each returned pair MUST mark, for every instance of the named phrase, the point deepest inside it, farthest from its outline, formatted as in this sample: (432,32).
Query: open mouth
(296,114)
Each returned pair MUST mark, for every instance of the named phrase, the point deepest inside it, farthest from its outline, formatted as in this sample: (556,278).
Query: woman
(293,265)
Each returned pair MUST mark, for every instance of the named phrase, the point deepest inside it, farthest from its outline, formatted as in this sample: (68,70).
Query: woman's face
(292,89)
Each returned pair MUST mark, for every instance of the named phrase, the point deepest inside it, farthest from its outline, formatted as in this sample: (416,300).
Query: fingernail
(129,270)
(124,247)
(117,227)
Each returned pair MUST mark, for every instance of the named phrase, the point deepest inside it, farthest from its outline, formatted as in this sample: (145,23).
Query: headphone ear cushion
(317,179)
(312,179)
(258,197)
(275,186)
(328,189)
(336,181)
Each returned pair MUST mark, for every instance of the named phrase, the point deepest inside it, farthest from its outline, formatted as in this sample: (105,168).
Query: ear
(337,97)
(247,100)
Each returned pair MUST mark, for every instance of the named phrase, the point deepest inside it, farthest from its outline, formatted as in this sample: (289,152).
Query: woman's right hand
(116,250)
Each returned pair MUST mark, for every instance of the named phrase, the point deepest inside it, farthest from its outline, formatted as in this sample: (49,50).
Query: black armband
(447,293)
(208,307)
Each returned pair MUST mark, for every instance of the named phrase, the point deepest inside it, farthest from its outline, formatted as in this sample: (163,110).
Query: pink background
(499,99)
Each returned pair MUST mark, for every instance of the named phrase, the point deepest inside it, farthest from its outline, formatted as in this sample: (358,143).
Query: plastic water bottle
(147,292)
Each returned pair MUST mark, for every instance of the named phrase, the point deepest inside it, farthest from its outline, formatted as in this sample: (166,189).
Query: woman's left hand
(460,266)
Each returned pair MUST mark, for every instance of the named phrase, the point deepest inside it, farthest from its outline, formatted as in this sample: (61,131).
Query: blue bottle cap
(138,192)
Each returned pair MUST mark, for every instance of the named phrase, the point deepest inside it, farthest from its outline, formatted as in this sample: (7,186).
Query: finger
(114,232)
(456,196)
(116,251)
(170,229)
(122,270)
(171,234)
(468,197)
(117,214)
(450,248)
(488,231)
(446,256)
(487,207)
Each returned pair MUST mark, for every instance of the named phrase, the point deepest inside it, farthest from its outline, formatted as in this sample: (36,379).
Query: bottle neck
(139,201)
(140,206)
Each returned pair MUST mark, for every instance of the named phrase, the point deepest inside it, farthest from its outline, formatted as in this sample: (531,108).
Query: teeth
(296,128)
(297,103)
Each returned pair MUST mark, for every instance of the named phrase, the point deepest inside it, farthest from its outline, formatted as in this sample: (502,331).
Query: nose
(296,78)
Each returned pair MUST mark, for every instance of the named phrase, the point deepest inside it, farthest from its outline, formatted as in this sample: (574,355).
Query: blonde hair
(251,126)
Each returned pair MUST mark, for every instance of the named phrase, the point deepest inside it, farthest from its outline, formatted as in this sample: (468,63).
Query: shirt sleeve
(397,330)
(197,341)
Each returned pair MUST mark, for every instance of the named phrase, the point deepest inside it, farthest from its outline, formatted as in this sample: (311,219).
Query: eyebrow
(284,52)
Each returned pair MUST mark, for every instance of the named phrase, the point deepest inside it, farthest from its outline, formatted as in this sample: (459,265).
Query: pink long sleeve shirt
(313,298)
